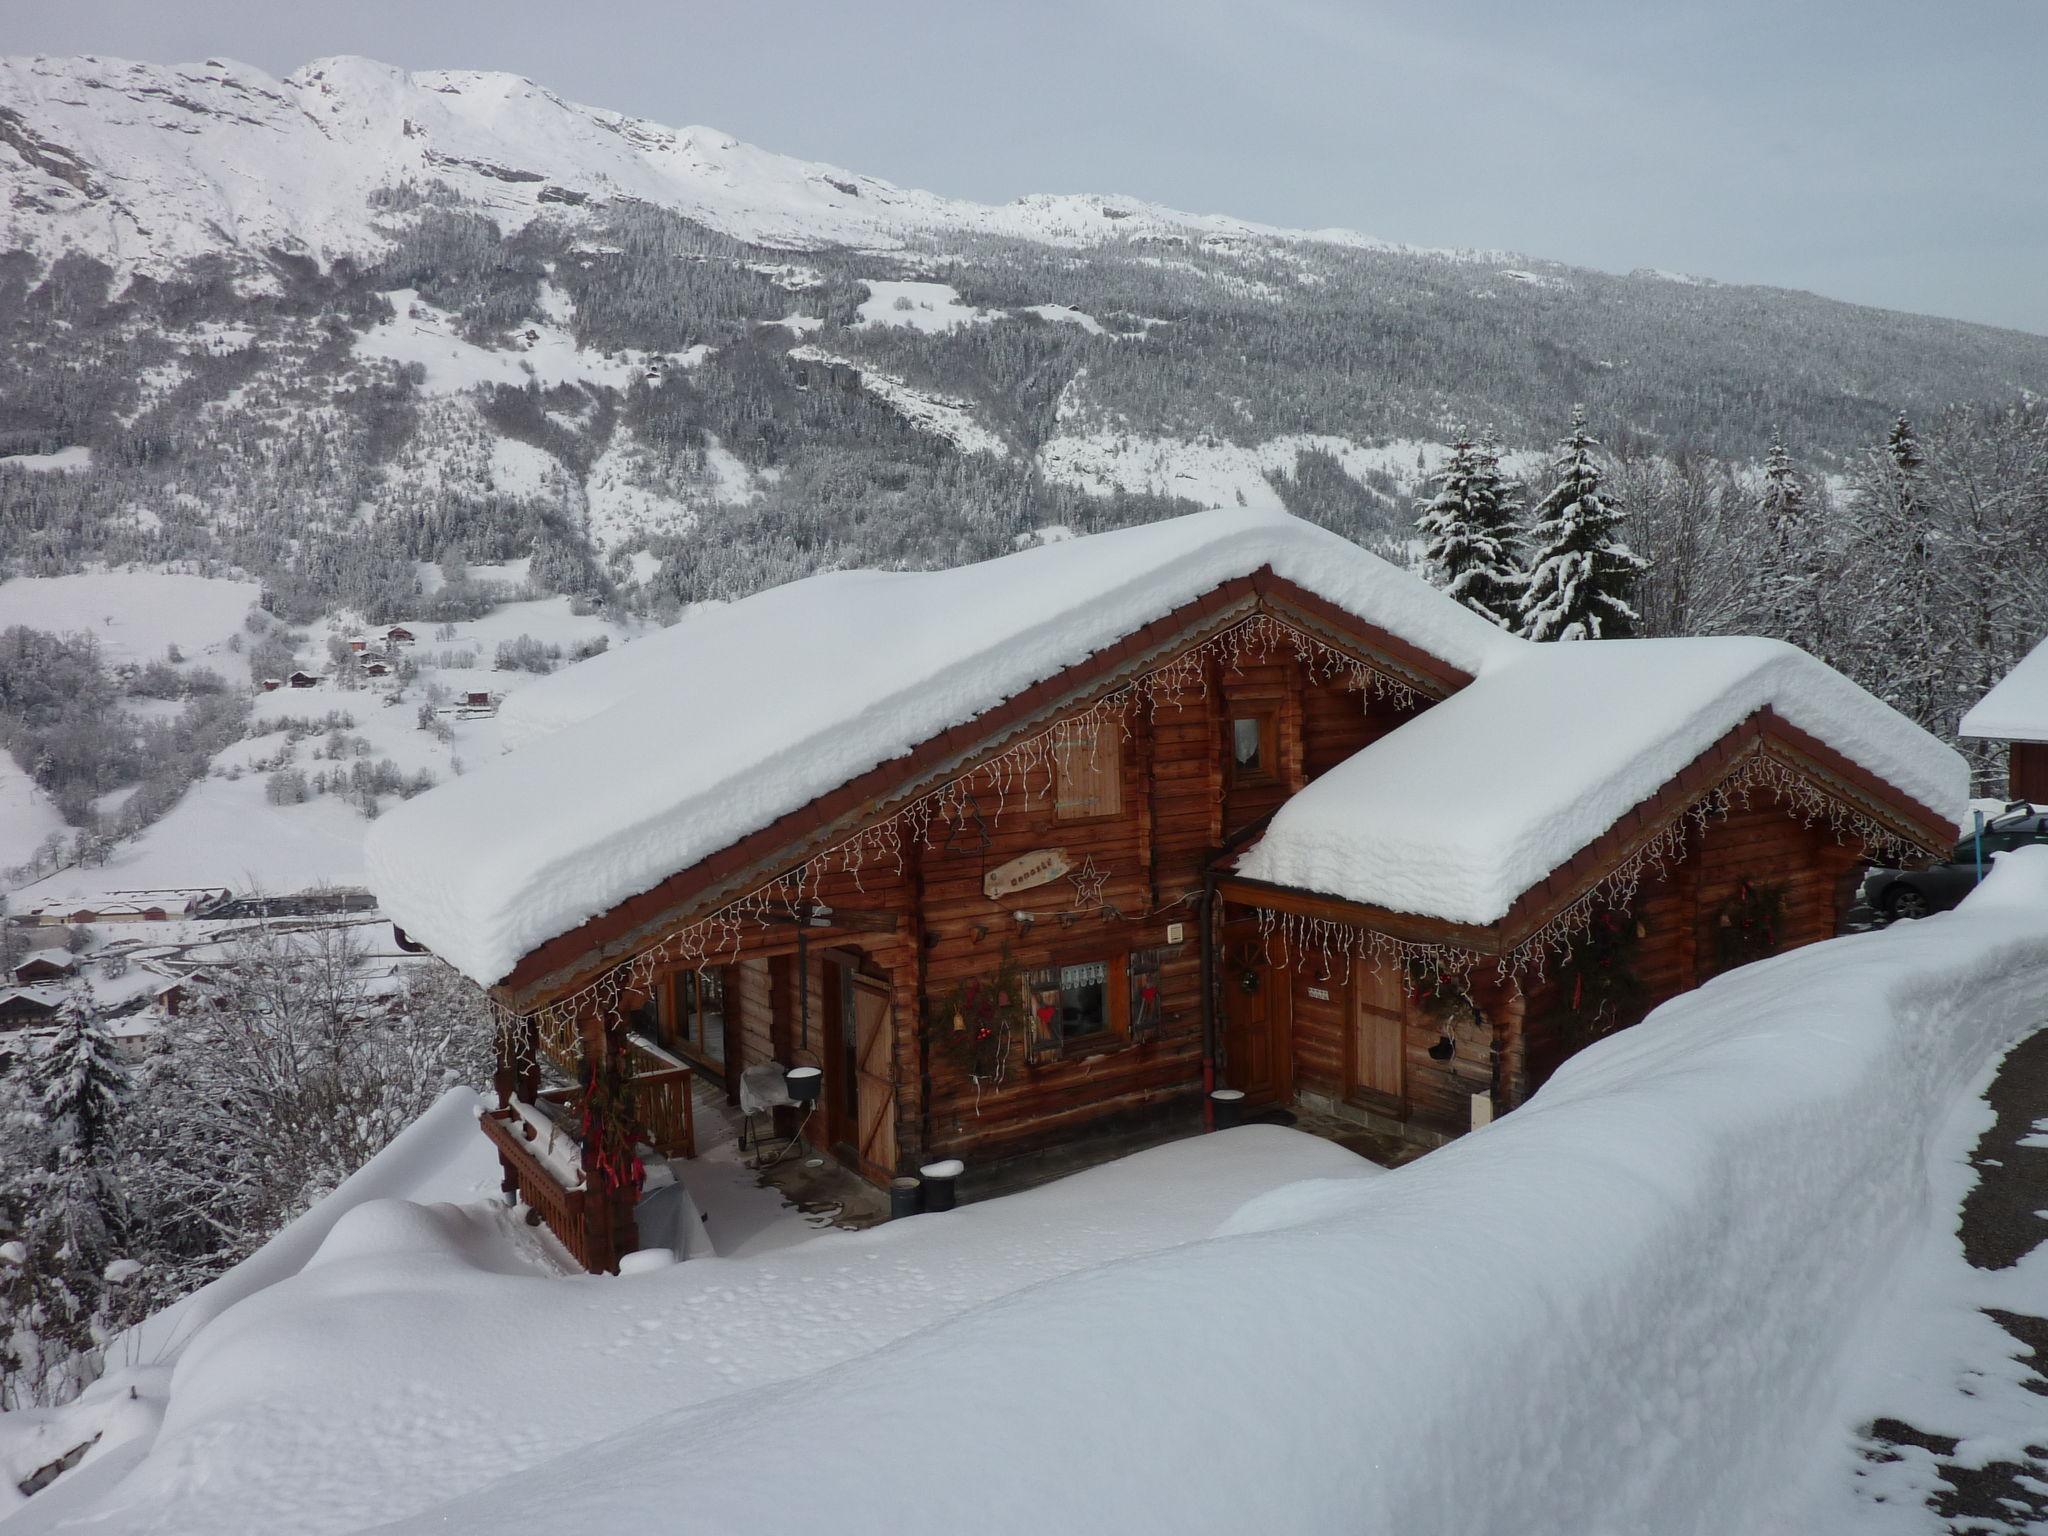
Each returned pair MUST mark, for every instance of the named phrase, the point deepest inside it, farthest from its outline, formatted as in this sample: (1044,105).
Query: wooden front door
(875,1065)
(1378,1032)
(1255,1015)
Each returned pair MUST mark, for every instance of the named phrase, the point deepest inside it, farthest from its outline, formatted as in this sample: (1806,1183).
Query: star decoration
(1088,883)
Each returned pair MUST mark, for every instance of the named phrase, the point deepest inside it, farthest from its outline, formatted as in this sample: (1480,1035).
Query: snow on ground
(920,307)
(135,615)
(798,324)
(520,468)
(1933,1359)
(1211,472)
(1620,1308)
(63,460)
(542,352)
(1627,1306)
(1066,314)
(418,1353)
(27,814)
(224,831)
(440,1157)
(929,411)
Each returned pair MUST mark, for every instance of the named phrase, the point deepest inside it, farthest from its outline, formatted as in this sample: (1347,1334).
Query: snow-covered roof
(739,714)
(1459,811)
(2016,709)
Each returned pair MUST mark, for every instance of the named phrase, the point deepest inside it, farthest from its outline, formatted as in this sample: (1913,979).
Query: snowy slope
(135,615)
(1622,1308)
(147,166)
(346,1362)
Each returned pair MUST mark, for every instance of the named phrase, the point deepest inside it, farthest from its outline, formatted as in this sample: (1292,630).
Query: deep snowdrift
(1622,1308)
(1618,1309)
(420,1352)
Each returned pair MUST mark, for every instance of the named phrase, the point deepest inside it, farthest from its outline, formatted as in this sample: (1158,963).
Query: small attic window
(1251,748)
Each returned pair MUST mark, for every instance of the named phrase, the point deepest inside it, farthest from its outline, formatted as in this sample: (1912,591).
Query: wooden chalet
(2014,715)
(23,1007)
(1034,900)
(46,965)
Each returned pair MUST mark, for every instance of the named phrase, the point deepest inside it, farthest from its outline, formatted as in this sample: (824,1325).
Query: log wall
(1679,914)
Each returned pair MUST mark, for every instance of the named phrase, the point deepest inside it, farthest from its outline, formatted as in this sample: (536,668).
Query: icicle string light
(1024,772)
(1325,943)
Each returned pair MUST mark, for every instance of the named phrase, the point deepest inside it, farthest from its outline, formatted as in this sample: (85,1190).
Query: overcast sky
(1891,152)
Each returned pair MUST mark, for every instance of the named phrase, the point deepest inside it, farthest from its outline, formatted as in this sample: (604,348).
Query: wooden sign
(1024,872)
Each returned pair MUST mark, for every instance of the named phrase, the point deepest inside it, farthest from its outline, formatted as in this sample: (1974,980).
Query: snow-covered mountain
(146,166)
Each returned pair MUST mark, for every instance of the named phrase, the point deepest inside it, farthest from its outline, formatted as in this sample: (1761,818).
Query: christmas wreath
(1598,983)
(974,1024)
(1748,925)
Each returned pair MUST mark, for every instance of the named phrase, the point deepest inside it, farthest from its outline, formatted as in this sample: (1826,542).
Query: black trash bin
(906,1197)
(1227,1107)
(938,1183)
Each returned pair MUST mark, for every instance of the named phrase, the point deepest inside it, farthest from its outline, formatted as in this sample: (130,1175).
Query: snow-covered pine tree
(1903,643)
(81,1080)
(1780,571)
(1467,529)
(1902,446)
(1581,576)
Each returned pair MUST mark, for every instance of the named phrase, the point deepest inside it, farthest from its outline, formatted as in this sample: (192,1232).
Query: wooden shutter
(1378,1028)
(875,1048)
(1089,776)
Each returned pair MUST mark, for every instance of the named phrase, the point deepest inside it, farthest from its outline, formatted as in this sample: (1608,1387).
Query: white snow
(27,813)
(221,157)
(475,874)
(135,615)
(2016,708)
(1468,805)
(920,306)
(414,1354)
(1630,1305)
(1933,1359)
(1066,314)
(929,411)
(419,333)
(1213,472)
(62,461)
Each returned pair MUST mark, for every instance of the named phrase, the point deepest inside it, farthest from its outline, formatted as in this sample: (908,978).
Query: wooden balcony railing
(568,1212)
(661,1097)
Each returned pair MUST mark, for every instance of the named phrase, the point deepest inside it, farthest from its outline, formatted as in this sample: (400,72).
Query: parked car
(1902,893)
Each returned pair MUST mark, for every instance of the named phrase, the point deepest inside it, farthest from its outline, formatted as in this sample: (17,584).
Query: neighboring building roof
(2016,709)
(1462,809)
(740,714)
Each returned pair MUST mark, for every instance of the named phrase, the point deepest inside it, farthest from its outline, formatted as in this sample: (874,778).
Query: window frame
(689,980)
(1116,1023)
(1267,770)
